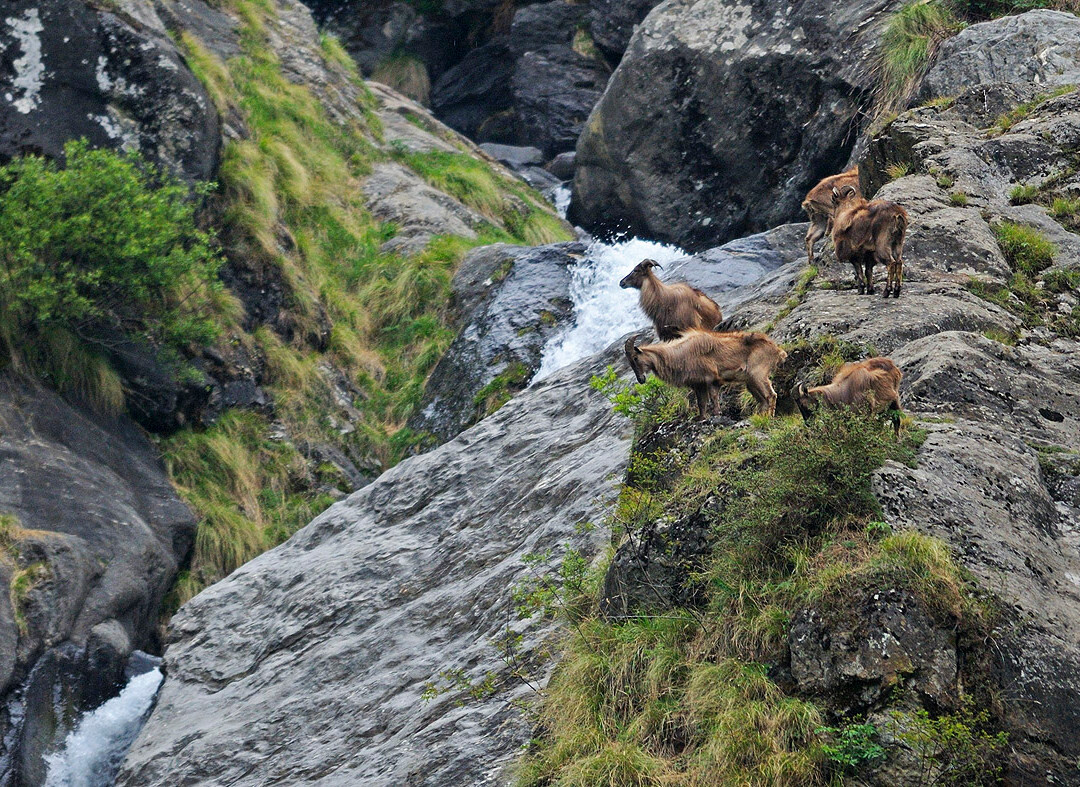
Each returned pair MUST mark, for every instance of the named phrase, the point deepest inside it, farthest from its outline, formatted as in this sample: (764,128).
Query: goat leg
(869,277)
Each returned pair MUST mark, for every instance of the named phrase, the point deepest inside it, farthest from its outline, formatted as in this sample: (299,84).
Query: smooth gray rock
(70,70)
(513,156)
(327,642)
(1039,48)
(722,114)
(101,536)
(544,24)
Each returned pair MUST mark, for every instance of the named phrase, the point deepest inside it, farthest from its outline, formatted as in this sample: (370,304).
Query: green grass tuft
(1023,195)
(1025,248)
(405,74)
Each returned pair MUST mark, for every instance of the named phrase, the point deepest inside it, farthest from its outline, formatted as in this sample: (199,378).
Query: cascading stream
(93,752)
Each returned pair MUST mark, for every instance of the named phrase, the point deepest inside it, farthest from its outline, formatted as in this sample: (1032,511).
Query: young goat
(873,384)
(819,207)
(705,360)
(867,233)
(673,308)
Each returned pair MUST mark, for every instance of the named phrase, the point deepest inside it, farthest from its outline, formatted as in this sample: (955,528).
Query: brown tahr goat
(819,207)
(867,233)
(673,308)
(873,384)
(705,360)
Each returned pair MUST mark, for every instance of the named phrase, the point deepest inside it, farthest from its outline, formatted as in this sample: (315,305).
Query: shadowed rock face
(101,534)
(336,632)
(722,114)
(76,71)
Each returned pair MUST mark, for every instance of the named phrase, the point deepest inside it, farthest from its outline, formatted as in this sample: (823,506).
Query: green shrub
(897,171)
(106,243)
(959,199)
(945,181)
(647,404)
(957,748)
(1022,195)
(1025,248)
(851,746)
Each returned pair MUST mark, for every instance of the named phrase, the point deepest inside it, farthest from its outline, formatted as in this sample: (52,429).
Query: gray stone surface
(71,70)
(101,533)
(1039,48)
(308,664)
(722,114)
(511,300)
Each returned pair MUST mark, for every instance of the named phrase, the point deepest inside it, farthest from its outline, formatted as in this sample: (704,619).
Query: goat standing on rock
(819,207)
(873,384)
(673,308)
(704,360)
(866,233)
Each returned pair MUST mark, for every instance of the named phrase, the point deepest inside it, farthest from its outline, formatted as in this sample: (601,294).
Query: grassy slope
(299,175)
(687,696)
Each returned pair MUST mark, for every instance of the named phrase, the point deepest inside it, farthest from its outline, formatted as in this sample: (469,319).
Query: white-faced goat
(705,360)
(867,233)
(673,308)
(819,207)
(872,385)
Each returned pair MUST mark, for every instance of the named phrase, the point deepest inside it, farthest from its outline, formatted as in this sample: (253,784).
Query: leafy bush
(105,245)
(647,404)
(957,748)
(851,746)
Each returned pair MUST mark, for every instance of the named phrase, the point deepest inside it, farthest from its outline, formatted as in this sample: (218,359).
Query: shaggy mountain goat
(673,308)
(867,233)
(819,207)
(873,384)
(704,360)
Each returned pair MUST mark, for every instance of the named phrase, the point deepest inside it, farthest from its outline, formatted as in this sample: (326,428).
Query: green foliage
(957,748)
(683,696)
(851,746)
(23,580)
(1022,195)
(958,199)
(105,245)
(498,392)
(945,181)
(1065,208)
(908,46)
(1025,248)
(898,170)
(647,404)
(251,492)
(1021,111)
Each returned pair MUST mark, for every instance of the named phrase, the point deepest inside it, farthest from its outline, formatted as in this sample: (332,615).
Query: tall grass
(293,208)
(907,49)
(684,696)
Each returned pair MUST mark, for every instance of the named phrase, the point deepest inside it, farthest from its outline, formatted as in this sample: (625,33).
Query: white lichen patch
(30,68)
(705,26)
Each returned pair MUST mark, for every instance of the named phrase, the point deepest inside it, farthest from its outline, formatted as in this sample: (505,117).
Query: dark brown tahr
(868,233)
(705,360)
(819,207)
(872,385)
(673,308)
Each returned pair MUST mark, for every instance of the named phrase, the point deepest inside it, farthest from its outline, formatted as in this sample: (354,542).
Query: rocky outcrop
(511,300)
(340,631)
(114,77)
(1038,49)
(98,536)
(613,22)
(722,115)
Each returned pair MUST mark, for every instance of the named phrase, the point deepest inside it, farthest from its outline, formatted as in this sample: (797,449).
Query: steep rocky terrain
(987,339)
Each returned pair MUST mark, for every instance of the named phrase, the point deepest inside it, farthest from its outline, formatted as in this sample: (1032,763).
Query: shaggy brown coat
(705,360)
(867,233)
(819,207)
(673,308)
(873,384)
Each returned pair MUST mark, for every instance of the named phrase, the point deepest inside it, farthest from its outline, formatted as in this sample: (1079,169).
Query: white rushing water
(94,750)
(603,311)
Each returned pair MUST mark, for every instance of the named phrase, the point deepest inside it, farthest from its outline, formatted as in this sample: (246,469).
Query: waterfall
(94,750)
(603,311)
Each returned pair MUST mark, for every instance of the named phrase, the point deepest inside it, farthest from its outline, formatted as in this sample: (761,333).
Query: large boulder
(1039,48)
(722,115)
(75,70)
(612,23)
(371,627)
(98,537)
